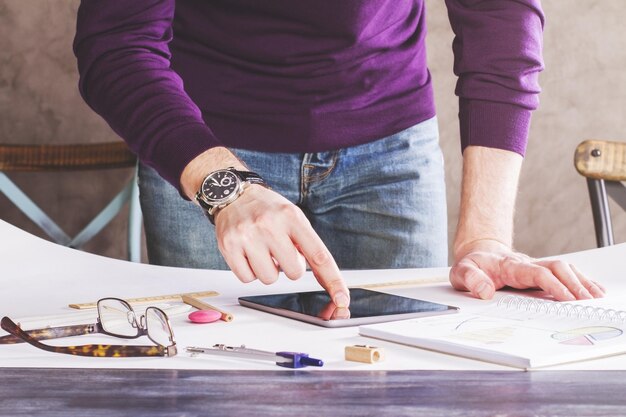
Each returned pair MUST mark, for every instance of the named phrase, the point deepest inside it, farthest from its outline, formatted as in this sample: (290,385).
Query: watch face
(220,185)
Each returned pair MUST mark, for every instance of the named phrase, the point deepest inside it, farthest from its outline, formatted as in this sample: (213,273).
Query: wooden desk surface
(107,392)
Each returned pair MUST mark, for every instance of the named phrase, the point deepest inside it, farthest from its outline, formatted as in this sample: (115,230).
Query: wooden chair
(603,163)
(97,156)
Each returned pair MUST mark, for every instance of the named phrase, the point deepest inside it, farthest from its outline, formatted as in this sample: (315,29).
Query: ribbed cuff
(171,155)
(494,125)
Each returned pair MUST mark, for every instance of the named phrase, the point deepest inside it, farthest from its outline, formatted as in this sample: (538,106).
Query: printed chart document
(520,332)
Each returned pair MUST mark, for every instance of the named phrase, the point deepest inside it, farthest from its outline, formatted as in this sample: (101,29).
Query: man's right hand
(261,232)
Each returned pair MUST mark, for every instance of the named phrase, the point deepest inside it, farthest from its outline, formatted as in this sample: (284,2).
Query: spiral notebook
(521,332)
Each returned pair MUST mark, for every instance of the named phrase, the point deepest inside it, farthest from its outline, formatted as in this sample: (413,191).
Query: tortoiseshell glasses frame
(122,311)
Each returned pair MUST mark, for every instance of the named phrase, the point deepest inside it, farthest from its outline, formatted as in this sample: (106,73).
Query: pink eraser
(204,316)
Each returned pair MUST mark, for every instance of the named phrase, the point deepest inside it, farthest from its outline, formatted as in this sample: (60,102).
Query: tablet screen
(366,306)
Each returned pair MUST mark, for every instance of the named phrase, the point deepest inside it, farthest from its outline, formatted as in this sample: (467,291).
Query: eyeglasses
(115,318)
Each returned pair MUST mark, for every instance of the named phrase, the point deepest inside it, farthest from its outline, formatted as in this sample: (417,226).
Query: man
(330,104)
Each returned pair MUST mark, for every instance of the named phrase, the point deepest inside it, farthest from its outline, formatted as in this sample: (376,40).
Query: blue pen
(284,359)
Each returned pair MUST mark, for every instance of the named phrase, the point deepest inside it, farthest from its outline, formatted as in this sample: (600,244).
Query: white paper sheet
(40,278)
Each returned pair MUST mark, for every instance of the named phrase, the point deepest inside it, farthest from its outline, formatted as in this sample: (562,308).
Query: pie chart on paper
(587,335)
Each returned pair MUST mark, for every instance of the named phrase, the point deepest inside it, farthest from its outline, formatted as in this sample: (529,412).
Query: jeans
(377,205)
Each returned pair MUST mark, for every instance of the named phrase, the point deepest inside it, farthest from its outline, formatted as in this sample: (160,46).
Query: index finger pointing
(322,264)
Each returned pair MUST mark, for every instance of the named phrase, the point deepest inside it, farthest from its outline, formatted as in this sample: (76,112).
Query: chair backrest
(97,156)
(65,157)
(603,164)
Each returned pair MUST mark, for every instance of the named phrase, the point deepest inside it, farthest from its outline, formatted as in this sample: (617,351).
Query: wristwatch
(222,187)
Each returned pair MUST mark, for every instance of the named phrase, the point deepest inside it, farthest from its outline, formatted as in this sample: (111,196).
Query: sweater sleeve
(497,57)
(125,76)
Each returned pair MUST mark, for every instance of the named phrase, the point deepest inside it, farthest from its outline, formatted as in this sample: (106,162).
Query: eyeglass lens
(158,327)
(117,317)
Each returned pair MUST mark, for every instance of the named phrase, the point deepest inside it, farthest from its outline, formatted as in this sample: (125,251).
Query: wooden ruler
(406,283)
(170,297)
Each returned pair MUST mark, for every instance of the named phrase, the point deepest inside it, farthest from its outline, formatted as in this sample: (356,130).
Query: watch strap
(249,176)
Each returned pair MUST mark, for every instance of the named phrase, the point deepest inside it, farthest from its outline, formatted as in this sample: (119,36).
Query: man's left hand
(485,265)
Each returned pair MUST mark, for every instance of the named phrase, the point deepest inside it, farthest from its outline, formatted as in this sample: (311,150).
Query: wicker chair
(603,163)
(51,158)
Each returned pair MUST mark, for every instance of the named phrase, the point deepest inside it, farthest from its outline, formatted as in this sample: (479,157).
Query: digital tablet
(366,307)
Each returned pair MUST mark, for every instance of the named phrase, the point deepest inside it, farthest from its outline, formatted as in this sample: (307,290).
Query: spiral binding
(552,308)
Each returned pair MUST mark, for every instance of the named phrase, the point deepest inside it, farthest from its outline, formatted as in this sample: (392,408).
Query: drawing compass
(284,359)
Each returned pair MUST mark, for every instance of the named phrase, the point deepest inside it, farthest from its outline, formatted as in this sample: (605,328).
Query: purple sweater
(177,78)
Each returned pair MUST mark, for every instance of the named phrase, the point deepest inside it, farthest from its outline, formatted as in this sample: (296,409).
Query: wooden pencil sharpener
(364,353)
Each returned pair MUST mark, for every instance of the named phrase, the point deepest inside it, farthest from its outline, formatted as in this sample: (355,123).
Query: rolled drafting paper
(364,353)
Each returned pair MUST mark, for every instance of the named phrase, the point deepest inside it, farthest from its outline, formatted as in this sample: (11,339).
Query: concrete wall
(584,97)
(40,103)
